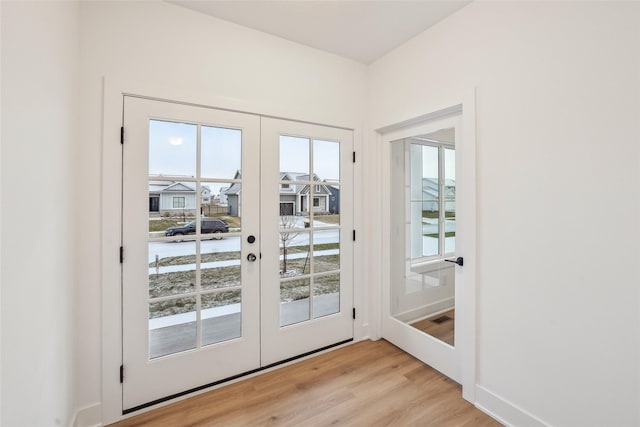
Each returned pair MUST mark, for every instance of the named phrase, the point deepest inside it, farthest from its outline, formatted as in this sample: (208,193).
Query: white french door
(308,256)
(237,249)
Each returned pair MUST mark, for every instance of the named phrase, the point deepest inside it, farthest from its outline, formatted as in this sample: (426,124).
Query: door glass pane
(172,268)
(294,301)
(326,295)
(326,160)
(331,218)
(422,193)
(450,200)
(171,205)
(294,253)
(294,158)
(309,208)
(326,250)
(221,152)
(221,316)
(220,263)
(425,211)
(172,326)
(172,149)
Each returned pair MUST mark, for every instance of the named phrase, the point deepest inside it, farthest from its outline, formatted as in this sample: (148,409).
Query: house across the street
(176,197)
(296,197)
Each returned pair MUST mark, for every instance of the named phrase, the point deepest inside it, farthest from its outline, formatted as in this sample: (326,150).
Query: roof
(171,186)
(290,178)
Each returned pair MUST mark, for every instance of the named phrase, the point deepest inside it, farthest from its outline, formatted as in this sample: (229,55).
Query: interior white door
(425,218)
(190,294)
(307,238)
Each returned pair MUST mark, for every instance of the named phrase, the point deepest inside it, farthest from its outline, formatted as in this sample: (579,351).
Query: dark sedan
(207,226)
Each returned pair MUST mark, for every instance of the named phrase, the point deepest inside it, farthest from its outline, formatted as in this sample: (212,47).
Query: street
(228,244)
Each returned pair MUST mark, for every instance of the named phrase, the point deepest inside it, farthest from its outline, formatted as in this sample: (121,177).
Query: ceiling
(361,30)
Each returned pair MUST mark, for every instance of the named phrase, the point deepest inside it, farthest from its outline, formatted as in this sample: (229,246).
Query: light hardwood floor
(370,383)
(443,331)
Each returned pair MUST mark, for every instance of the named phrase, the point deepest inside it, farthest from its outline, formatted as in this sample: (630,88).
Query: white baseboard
(428,310)
(363,333)
(89,416)
(503,411)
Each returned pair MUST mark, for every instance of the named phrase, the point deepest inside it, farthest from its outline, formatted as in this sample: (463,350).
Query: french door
(217,279)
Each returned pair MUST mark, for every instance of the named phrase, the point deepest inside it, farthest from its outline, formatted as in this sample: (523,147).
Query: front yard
(219,277)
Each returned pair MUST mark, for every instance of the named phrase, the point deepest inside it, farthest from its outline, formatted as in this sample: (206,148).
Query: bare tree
(287,223)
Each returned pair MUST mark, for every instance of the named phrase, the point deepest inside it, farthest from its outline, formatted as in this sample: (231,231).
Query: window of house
(316,202)
(179,202)
(284,186)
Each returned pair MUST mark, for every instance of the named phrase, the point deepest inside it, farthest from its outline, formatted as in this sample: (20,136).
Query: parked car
(207,226)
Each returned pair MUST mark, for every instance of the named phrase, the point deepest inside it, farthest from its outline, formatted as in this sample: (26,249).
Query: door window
(310,267)
(424,187)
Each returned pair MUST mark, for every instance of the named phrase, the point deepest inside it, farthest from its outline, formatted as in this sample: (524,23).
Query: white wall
(39,106)
(161,50)
(558,109)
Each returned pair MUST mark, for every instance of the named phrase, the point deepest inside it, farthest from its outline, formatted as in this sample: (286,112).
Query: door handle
(251,257)
(459,261)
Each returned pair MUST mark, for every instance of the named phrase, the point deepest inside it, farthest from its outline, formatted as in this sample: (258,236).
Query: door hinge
(354,157)
(121,374)
(354,313)
(121,134)
(121,254)
(354,235)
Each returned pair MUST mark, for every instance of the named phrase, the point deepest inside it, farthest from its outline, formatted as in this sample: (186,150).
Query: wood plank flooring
(370,383)
(443,331)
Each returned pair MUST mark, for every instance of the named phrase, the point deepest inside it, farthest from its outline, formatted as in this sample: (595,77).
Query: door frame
(466,287)
(109,349)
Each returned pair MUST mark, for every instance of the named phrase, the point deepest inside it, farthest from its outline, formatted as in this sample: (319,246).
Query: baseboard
(428,310)
(89,416)
(362,333)
(504,411)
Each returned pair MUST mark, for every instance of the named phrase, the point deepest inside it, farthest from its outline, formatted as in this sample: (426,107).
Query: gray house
(295,198)
(334,199)
(176,197)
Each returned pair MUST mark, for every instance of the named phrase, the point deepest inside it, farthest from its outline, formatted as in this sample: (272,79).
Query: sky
(172,151)
(430,163)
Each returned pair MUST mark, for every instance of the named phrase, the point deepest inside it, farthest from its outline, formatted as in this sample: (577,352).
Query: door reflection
(423,232)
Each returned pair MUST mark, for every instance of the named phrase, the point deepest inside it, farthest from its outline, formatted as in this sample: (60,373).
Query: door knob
(251,257)
(459,261)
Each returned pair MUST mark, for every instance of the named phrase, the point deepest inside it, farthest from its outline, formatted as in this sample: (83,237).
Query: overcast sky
(172,151)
